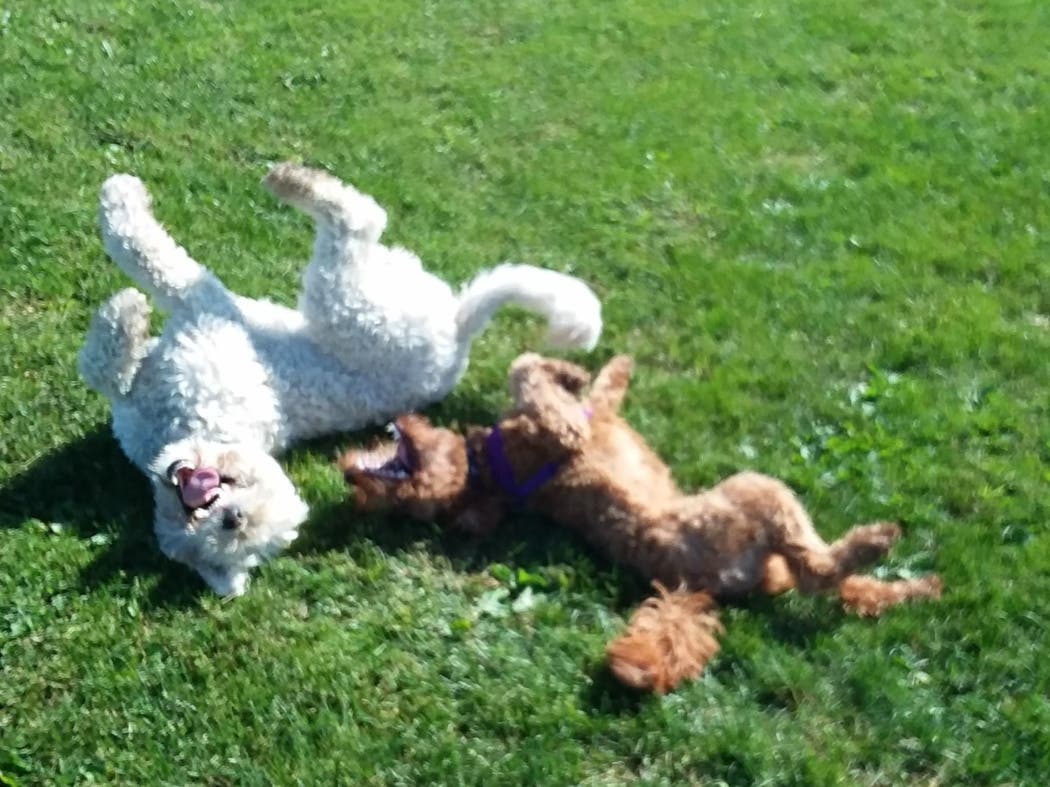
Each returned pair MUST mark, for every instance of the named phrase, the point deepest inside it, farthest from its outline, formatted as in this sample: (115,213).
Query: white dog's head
(223,509)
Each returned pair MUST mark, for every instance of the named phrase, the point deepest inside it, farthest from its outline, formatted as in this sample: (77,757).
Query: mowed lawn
(823,231)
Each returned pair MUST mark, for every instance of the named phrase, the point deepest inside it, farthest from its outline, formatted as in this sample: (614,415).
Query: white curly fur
(232,380)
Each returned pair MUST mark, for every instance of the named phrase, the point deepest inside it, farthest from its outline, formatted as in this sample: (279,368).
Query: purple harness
(503,473)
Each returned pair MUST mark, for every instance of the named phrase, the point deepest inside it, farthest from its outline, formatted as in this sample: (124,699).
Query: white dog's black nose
(232,518)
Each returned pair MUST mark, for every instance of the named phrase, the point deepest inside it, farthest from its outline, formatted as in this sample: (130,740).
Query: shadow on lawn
(529,542)
(90,489)
(524,541)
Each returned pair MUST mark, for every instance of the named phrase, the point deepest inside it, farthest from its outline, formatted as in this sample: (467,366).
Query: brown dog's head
(423,471)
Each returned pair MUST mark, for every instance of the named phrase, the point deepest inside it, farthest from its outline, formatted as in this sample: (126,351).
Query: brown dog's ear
(368,493)
(361,498)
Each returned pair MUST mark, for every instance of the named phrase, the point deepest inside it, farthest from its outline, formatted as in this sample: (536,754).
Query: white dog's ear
(304,512)
(227,583)
(174,543)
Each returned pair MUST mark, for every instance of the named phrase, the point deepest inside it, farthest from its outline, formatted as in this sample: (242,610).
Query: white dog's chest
(218,388)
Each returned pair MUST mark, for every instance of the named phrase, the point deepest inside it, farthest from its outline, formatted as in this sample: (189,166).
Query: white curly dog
(232,380)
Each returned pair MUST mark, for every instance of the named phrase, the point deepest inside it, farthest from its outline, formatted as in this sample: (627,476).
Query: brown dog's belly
(720,549)
(624,461)
(742,574)
(619,496)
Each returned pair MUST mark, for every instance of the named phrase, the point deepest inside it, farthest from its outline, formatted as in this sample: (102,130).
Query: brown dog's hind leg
(819,566)
(862,545)
(868,597)
(816,565)
(776,576)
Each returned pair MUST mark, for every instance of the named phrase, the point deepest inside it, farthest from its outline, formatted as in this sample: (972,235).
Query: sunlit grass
(822,232)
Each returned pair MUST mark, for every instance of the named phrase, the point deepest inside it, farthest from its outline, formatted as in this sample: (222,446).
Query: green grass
(822,230)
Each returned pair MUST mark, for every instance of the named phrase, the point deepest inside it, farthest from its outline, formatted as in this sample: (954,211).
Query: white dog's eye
(174,468)
(228,480)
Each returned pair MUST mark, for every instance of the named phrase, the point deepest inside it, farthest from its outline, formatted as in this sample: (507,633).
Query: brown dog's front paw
(564,374)
(481,517)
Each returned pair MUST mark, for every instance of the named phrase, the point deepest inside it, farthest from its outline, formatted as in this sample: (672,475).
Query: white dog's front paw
(238,584)
(228,584)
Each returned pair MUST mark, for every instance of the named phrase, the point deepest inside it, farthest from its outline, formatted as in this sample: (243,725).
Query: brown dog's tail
(670,638)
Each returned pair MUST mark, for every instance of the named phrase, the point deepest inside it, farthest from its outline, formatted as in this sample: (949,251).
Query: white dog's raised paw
(123,191)
(327,199)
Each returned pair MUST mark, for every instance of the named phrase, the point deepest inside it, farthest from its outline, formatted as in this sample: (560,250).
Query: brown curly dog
(575,460)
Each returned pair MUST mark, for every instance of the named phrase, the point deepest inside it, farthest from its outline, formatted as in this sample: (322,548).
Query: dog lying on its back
(577,461)
(231,380)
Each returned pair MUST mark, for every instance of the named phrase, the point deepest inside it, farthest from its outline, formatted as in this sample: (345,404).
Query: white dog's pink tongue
(199,487)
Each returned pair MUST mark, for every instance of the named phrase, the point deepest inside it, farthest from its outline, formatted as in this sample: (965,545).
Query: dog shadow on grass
(791,627)
(89,489)
(523,542)
(527,542)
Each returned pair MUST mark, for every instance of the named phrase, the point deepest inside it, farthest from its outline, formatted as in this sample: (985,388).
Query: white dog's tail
(142,248)
(573,312)
(116,343)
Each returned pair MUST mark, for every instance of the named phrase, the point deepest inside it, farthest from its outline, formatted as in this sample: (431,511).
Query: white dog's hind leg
(345,309)
(348,222)
(141,247)
(116,343)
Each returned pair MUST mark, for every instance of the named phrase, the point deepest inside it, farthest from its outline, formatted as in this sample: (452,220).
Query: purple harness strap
(503,473)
